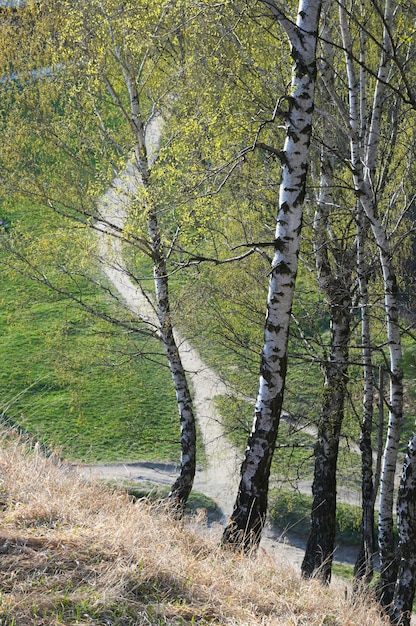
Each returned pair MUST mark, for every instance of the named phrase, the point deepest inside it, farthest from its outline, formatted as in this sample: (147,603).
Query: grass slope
(76,383)
(74,552)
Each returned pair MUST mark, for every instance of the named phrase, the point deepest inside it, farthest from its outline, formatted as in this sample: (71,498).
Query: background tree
(365,156)
(334,251)
(372,116)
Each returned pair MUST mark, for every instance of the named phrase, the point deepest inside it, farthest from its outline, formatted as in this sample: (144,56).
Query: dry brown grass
(74,552)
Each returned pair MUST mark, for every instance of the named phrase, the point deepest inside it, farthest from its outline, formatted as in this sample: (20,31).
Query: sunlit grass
(75,552)
(77,383)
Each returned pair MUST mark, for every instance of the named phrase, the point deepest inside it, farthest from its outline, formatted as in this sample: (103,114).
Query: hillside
(75,552)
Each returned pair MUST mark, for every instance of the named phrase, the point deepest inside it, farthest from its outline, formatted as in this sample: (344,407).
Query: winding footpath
(219,476)
(218,479)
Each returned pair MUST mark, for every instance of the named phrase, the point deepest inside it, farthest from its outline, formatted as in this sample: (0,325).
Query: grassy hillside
(74,552)
(76,383)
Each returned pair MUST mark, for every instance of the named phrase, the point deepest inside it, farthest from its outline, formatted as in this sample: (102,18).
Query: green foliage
(78,383)
(237,418)
(293,457)
(219,311)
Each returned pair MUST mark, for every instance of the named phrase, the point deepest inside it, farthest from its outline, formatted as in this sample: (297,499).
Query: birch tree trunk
(334,262)
(248,517)
(389,463)
(363,162)
(183,485)
(320,545)
(364,565)
(404,592)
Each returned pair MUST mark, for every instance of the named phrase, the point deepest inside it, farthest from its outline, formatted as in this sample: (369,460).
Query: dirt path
(219,478)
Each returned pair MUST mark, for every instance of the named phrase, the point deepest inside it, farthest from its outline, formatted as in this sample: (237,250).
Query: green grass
(72,381)
(342,570)
(290,512)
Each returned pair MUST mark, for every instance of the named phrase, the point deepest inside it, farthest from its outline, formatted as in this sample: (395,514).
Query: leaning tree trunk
(404,592)
(248,517)
(183,485)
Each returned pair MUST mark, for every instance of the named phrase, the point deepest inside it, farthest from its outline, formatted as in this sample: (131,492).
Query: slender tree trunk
(334,258)
(404,592)
(183,485)
(248,517)
(321,540)
(388,564)
(364,565)
(363,162)
(334,267)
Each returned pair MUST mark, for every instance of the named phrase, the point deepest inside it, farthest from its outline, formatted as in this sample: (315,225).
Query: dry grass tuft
(75,552)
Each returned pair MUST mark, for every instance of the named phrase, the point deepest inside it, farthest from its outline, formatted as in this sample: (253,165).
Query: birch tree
(364,162)
(364,565)
(109,79)
(405,587)
(372,115)
(334,255)
(369,484)
(248,517)
(334,116)
(376,127)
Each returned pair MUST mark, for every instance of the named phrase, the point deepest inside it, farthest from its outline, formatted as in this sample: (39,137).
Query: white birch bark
(363,161)
(183,485)
(142,164)
(390,456)
(249,513)
(372,142)
(404,592)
